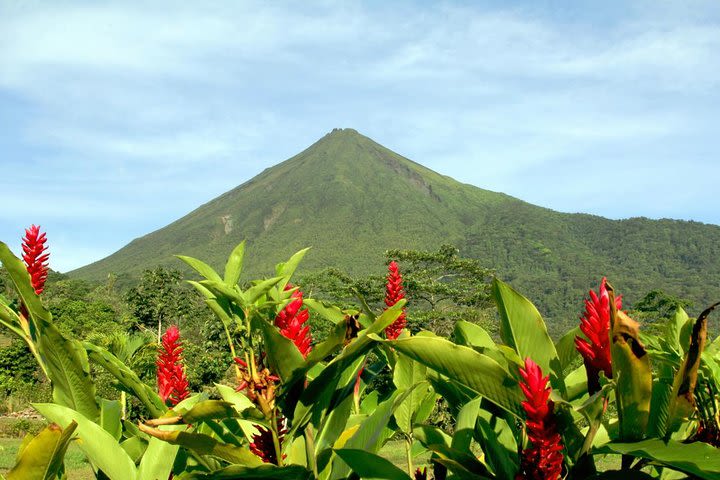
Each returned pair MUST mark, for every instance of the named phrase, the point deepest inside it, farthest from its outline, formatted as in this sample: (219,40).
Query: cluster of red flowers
(393,294)
(172,382)
(595,324)
(36,257)
(543,459)
(291,322)
(262,442)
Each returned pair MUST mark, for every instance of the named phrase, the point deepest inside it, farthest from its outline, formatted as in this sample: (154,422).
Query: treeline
(441,288)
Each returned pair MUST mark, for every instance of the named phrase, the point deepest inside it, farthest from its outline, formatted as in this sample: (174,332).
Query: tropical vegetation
(521,406)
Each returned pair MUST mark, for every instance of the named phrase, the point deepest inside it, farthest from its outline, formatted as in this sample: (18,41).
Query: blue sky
(117,118)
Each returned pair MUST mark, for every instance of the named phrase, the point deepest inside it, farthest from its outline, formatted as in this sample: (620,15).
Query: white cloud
(118,101)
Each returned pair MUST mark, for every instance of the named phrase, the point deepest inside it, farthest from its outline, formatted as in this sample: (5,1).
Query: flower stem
(408,452)
(276,439)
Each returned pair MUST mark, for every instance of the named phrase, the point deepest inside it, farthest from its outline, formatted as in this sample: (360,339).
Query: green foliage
(351,199)
(158,299)
(317,419)
(42,458)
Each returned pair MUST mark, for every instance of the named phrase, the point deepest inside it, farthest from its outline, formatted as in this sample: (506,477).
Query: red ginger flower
(172,382)
(393,294)
(291,322)
(543,459)
(35,257)
(595,324)
(262,442)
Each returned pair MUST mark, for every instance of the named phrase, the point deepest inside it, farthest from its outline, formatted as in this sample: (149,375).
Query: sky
(117,118)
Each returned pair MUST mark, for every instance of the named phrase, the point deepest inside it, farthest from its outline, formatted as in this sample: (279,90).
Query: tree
(158,298)
(441,287)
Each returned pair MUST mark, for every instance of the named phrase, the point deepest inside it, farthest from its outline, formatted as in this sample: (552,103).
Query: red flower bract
(35,257)
(291,322)
(172,382)
(393,294)
(543,459)
(595,324)
(262,442)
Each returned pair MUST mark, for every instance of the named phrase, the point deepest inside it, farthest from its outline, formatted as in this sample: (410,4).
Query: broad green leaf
(660,403)
(325,310)
(287,269)
(465,425)
(463,364)
(208,410)
(99,446)
(205,445)
(205,270)
(522,328)
(10,320)
(322,350)
(409,373)
(110,417)
(472,335)
(282,354)
(685,324)
(358,347)
(622,475)
(699,459)
(234,265)
(261,288)
(135,448)
(428,435)
(270,472)
(370,434)
(333,425)
(223,291)
(682,400)
(576,383)
(498,443)
(631,373)
(42,458)
(237,399)
(157,461)
(68,369)
(463,464)
(371,466)
(127,378)
(565,347)
(455,394)
(674,330)
(592,409)
(326,394)
(220,307)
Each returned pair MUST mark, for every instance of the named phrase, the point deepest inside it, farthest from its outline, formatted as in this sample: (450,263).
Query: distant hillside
(350,199)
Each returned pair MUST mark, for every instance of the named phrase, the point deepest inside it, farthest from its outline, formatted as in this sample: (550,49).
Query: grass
(76,466)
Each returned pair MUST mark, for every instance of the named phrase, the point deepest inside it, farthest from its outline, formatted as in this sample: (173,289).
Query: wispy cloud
(121,117)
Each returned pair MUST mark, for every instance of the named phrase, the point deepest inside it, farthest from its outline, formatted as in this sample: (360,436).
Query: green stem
(310,450)
(232,352)
(408,452)
(276,439)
